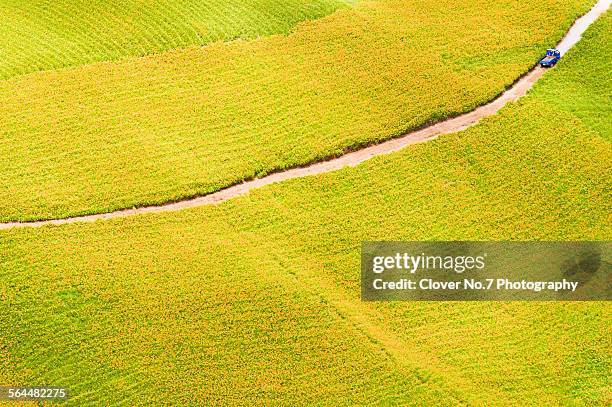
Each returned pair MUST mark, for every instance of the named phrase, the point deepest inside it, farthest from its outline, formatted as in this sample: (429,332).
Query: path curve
(354,158)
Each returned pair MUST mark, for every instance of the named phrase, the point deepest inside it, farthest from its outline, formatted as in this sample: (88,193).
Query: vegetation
(43,34)
(257,300)
(165,127)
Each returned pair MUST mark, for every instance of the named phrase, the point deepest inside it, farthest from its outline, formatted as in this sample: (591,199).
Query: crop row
(258,298)
(160,128)
(43,34)
(180,328)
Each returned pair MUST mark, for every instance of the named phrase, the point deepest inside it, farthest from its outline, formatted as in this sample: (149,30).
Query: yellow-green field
(112,135)
(39,35)
(256,301)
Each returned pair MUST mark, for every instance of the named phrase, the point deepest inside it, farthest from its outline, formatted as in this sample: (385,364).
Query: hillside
(258,298)
(41,35)
(165,127)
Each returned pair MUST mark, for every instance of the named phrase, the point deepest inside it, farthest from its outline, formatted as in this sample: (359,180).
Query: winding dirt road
(352,159)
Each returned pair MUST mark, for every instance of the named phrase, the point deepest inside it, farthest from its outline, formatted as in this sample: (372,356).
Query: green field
(40,35)
(105,136)
(257,301)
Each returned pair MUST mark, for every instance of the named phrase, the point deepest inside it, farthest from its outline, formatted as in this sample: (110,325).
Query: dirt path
(352,159)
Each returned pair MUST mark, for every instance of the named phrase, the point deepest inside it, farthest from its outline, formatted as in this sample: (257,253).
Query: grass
(149,130)
(43,34)
(258,297)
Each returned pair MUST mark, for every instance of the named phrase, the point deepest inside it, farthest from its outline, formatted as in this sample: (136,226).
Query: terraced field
(42,34)
(149,130)
(267,285)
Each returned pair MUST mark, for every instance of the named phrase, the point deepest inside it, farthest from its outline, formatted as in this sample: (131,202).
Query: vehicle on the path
(551,58)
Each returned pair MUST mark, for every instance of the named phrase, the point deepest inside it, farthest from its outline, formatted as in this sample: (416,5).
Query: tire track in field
(354,158)
(425,367)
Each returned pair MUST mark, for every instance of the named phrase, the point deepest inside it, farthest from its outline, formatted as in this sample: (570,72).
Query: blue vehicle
(551,58)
